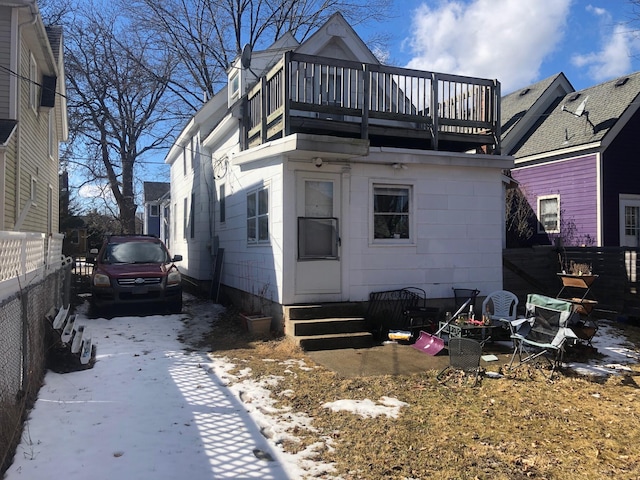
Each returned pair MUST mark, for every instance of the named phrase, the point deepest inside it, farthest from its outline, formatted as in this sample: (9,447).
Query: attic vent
(573,97)
(622,81)
(524,92)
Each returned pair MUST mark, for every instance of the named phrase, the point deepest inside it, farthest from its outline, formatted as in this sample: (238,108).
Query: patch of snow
(367,408)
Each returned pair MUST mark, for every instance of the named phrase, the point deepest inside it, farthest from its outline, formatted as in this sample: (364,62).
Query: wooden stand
(577,290)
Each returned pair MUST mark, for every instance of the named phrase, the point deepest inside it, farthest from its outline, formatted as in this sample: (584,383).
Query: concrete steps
(328,326)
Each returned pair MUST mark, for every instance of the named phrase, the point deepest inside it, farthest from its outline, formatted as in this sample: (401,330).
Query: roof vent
(573,97)
(622,81)
(524,92)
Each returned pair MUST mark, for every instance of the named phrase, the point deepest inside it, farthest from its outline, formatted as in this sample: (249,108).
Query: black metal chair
(461,295)
(464,354)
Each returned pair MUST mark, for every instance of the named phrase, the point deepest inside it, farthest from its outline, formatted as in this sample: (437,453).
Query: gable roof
(337,39)
(580,119)
(521,110)
(154,191)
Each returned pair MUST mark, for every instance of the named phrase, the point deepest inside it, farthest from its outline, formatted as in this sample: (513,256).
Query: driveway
(149,409)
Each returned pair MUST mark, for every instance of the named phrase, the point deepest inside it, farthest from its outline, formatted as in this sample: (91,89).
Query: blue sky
(516,41)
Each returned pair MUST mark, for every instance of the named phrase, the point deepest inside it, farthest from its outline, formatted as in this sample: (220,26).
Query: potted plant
(577,275)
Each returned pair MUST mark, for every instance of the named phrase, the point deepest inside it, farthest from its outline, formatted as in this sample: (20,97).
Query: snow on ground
(152,409)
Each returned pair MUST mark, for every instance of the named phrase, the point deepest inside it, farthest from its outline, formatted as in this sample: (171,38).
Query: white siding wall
(191,180)
(457,231)
(457,215)
(256,269)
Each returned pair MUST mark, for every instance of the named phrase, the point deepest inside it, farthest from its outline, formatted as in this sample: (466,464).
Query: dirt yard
(514,427)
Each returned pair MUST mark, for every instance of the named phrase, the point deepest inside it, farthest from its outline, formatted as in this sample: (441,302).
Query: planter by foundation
(258,325)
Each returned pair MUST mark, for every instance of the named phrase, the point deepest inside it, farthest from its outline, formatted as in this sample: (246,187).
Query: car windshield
(135,252)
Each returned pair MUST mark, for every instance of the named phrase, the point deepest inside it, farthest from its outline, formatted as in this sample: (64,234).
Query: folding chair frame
(534,337)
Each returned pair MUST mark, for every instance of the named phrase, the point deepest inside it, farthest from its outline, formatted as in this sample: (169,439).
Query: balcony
(389,106)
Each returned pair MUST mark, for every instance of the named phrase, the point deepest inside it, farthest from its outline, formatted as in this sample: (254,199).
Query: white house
(325,176)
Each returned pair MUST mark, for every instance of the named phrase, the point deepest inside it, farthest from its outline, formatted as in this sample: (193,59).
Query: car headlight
(101,280)
(174,277)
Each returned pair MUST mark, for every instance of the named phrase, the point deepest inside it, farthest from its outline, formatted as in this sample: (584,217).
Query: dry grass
(520,426)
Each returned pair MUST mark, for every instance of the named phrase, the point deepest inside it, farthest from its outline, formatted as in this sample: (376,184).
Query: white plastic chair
(501,306)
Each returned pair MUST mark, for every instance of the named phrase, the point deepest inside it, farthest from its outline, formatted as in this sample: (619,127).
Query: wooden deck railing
(304,92)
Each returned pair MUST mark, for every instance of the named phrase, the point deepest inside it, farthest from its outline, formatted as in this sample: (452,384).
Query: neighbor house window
(184,161)
(154,210)
(391,212)
(549,214)
(185,216)
(631,221)
(258,216)
(223,204)
(33,83)
(34,190)
(192,216)
(51,132)
(175,226)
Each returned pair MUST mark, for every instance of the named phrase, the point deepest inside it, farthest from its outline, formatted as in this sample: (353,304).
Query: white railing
(26,257)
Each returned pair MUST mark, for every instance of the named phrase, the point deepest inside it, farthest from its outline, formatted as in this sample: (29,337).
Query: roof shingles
(569,124)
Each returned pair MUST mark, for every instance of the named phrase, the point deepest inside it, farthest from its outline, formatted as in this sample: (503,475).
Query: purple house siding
(575,180)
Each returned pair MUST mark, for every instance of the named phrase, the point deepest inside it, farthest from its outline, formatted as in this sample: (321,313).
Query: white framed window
(391,212)
(549,214)
(258,216)
(34,88)
(234,85)
(154,210)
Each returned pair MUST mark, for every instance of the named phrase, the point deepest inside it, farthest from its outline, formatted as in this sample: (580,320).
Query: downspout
(20,218)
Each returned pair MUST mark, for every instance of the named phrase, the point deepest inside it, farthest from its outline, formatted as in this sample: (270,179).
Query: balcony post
(366,88)
(263,109)
(286,94)
(497,129)
(434,110)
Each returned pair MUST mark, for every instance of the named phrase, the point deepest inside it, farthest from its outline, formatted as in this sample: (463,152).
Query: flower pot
(258,325)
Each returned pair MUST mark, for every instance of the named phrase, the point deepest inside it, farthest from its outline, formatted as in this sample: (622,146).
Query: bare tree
(118,78)
(520,219)
(207,35)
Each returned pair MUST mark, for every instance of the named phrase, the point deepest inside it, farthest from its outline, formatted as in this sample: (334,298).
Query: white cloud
(619,45)
(503,39)
(597,11)
(95,191)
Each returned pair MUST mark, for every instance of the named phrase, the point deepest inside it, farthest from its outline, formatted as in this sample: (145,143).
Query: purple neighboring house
(576,159)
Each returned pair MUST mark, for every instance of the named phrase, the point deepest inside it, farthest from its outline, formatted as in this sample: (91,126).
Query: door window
(318,228)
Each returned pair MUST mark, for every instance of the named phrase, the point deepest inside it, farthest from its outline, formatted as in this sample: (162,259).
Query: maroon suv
(135,269)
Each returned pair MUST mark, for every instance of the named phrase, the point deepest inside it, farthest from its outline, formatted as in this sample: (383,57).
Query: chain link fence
(23,351)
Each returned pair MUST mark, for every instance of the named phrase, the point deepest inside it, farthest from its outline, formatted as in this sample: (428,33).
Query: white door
(318,231)
(630,220)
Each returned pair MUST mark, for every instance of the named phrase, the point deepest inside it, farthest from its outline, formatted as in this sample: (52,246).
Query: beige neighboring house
(33,118)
